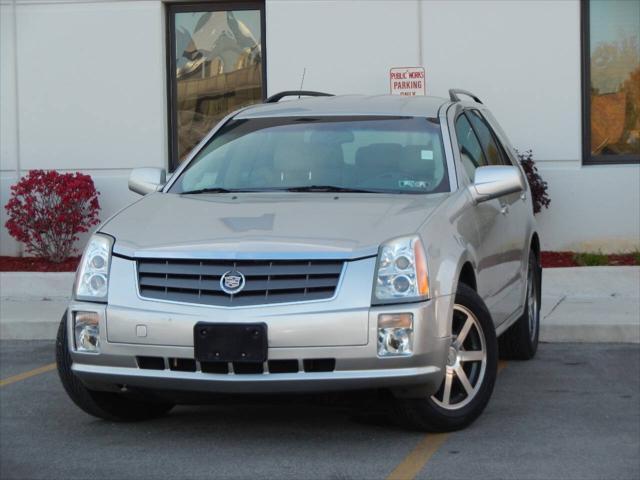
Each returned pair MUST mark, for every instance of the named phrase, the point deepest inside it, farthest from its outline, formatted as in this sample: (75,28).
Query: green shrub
(590,259)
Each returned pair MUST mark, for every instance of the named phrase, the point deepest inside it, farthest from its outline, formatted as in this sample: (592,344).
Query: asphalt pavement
(571,413)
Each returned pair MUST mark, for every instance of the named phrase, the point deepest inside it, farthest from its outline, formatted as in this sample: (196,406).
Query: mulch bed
(566,259)
(30,264)
(624,260)
(557,259)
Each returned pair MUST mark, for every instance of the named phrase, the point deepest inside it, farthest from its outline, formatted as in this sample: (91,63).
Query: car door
(514,218)
(519,213)
(490,222)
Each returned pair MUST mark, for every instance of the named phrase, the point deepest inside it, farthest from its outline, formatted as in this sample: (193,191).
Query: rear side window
(470,150)
(492,150)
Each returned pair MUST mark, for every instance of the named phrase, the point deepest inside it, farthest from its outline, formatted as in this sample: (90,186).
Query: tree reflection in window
(614,36)
(218,68)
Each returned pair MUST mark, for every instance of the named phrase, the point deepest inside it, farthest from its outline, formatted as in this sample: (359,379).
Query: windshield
(361,154)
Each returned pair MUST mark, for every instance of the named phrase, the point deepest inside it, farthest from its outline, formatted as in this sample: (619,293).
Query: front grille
(266,282)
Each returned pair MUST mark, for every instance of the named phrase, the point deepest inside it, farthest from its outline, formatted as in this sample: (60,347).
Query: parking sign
(408,81)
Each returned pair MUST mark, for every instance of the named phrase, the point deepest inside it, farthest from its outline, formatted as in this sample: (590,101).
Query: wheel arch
(536,249)
(465,272)
(534,246)
(467,275)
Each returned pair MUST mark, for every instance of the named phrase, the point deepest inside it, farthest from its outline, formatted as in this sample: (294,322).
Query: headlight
(401,273)
(92,277)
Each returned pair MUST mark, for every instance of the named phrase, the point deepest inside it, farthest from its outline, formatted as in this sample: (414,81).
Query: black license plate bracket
(230,342)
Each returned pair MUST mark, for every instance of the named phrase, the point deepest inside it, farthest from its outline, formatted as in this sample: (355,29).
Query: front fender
(448,249)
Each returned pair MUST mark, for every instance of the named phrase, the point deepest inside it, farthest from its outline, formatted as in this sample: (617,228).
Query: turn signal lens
(421,269)
(395,320)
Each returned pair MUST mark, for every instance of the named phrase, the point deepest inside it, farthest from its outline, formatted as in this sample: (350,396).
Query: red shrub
(47,210)
(538,186)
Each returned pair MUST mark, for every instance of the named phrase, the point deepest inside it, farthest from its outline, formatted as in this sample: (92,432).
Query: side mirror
(147,180)
(495,181)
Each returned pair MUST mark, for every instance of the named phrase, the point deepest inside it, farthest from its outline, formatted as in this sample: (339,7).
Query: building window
(216,65)
(611,81)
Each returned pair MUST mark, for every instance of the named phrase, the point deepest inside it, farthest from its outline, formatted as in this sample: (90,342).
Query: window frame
(171,9)
(587,157)
(475,135)
(504,158)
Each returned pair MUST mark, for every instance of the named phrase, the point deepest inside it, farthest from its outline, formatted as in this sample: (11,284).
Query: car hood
(266,225)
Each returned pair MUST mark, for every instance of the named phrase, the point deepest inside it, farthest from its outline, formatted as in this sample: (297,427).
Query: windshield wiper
(208,190)
(327,188)
(307,188)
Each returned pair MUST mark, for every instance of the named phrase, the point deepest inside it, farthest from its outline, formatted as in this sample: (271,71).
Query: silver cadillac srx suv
(319,244)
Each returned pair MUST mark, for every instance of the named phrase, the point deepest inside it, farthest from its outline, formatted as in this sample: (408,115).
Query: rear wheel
(470,372)
(520,341)
(105,405)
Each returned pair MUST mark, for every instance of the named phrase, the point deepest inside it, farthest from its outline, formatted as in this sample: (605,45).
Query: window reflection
(614,33)
(218,62)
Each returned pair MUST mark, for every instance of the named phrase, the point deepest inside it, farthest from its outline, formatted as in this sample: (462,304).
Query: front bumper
(356,366)
(101,377)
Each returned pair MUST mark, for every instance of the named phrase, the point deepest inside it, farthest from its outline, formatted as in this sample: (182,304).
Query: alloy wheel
(466,362)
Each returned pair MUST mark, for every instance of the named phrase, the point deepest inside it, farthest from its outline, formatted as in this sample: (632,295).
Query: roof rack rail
(295,93)
(454,92)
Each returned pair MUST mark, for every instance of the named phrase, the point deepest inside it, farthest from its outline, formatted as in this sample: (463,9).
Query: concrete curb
(35,285)
(30,320)
(591,304)
(585,304)
(32,303)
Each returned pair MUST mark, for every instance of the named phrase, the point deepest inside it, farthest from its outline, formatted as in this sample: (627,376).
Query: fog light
(395,334)
(86,326)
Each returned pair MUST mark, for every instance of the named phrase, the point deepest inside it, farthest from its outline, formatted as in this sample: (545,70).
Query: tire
(106,405)
(520,341)
(440,413)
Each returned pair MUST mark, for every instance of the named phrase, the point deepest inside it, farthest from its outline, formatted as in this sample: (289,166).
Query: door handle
(523,196)
(504,209)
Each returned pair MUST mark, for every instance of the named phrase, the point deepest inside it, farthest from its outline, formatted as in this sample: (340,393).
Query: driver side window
(471,152)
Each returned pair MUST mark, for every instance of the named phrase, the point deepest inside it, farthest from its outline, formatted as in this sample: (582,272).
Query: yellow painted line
(419,456)
(417,459)
(501,365)
(29,374)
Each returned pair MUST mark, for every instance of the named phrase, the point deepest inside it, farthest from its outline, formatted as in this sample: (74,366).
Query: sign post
(407,81)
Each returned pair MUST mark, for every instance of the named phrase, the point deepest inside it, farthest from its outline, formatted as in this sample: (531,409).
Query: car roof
(418,106)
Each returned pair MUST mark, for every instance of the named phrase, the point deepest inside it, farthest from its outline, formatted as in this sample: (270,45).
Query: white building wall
(523,60)
(91,89)
(91,93)
(345,46)
(8,132)
(8,124)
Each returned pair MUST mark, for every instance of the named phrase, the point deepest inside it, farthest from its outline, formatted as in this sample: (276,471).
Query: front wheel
(470,372)
(105,405)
